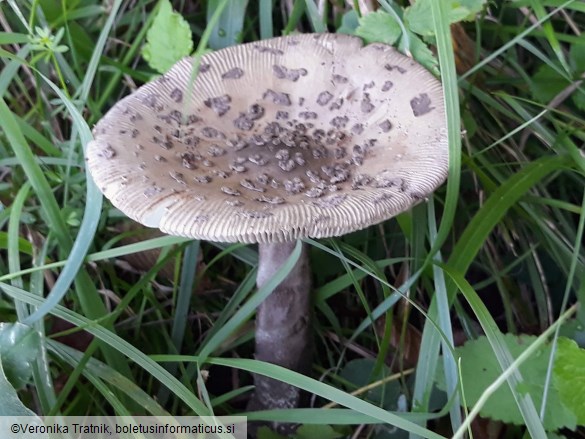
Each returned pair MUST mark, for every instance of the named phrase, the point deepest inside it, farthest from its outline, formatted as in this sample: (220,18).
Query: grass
(497,250)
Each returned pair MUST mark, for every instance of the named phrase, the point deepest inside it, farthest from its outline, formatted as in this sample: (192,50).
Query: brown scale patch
(339,121)
(278,98)
(249,184)
(358,128)
(192,119)
(366,105)
(152,191)
(270,50)
(330,201)
(387,85)
(270,200)
(212,133)
(219,104)
(242,122)
(178,177)
(235,73)
(324,98)
(281,72)
(255,214)
(230,191)
(255,112)
(203,179)
(382,198)
(108,152)
(165,143)
(336,105)
(391,68)
(307,115)
(421,105)
(177,95)
(386,126)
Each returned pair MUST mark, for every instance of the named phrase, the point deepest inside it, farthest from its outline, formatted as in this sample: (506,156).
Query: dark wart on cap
(307,135)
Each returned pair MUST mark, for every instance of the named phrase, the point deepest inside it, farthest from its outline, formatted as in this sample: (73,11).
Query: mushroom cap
(311,135)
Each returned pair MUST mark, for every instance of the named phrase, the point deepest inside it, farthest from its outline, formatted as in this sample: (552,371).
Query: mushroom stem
(283,330)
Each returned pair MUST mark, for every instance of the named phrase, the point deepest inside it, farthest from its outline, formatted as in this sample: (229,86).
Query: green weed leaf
(10,405)
(420,17)
(378,27)
(480,368)
(420,52)
(548,83)
(349,23)
(381,27)
(569,371)
(168,39)
(19,346)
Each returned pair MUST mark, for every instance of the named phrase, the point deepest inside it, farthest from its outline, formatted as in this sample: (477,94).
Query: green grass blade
(311,385)
(181,311)
(266,25)
(566,294)
(91,217)
(316,20)
(253,302)
(507,363)
(188,273)
(496,206)
(496,53)
(451,94)
(549,32)
(329,416)
(229,310)
(228,29)
(13,38)
(117,343)
(430,343)
(444,320)
(96,368)
(34,174)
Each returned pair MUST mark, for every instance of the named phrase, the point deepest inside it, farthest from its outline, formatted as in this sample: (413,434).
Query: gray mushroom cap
(308,135)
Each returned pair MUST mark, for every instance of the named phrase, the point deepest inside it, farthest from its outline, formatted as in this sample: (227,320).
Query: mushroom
(310,135)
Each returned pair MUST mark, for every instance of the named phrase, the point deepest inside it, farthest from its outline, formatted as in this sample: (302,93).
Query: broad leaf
(10,405)
(569,373)
(420,17)
(168,39)
(379,27)
(480,368)
(19,346)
